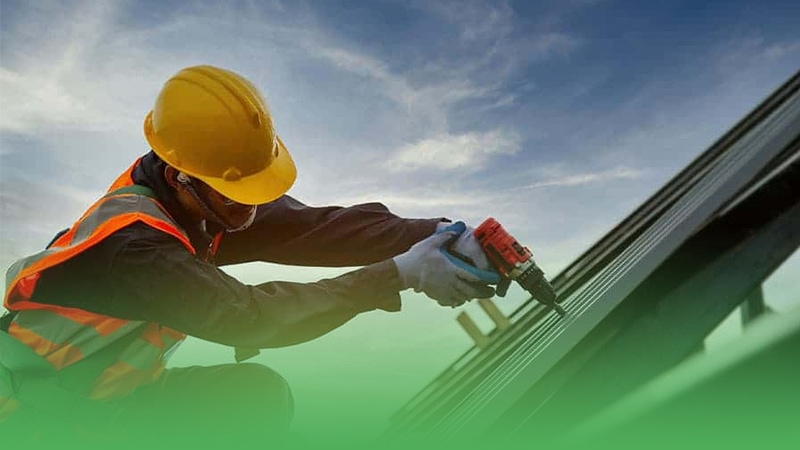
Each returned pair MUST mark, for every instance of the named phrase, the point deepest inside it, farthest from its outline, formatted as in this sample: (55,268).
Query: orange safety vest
(65,336)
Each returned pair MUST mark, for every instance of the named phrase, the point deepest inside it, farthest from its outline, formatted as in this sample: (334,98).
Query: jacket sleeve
(287,231)
(139,273)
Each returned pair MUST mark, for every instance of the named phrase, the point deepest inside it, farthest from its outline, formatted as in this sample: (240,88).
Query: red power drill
(515,262)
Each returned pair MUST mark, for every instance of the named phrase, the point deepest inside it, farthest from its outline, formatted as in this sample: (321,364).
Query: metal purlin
(472,365)
(539,350)
(543,348)
(546,345)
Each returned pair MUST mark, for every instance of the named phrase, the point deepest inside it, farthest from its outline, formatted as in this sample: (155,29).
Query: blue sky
(556,117)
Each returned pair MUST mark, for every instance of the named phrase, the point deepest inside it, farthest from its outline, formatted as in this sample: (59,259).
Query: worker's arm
(143,274)
(288,232)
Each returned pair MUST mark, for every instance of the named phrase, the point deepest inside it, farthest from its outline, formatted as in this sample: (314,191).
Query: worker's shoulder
(139,235)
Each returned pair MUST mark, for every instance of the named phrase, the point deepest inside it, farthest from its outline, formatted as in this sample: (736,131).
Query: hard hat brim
(261,187)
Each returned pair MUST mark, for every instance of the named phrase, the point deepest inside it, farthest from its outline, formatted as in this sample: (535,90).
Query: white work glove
(467,245)
(425,268)
(467,248)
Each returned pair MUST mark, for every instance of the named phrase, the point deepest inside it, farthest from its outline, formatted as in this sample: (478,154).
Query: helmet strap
(187,183)
(246,223)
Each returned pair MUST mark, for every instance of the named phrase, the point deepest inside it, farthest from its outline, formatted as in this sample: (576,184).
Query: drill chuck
(515,261)
(534,281)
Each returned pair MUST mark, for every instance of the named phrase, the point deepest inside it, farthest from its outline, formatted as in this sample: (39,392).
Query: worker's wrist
(386,275)
(403,280)
(443,223)
(378,287)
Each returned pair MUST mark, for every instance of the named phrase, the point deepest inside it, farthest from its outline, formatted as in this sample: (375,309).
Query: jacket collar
(150,172)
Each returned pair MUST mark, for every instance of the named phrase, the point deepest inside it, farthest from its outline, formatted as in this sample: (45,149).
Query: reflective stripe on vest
(64,336)
(142,362)
(105,217)
(63,339)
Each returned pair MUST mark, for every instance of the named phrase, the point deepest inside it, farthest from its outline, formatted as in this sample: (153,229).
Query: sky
(557,118)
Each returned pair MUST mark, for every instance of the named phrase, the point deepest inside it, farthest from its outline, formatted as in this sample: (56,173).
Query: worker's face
(235,214)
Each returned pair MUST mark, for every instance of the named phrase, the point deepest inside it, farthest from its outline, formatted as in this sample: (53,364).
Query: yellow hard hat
(214,125)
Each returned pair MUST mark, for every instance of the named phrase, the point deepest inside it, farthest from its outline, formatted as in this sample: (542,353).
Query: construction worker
(95,316)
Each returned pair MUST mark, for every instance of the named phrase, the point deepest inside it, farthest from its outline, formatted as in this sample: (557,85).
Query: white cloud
(422,199)
(748,52)
(426,101)
(477,20)
(48,86)
(781,50)
(475,68)
(468,152)
(489,30)
(35,99)
(431,200)
(547,45)
(395,86)
(580,179)
(356,63)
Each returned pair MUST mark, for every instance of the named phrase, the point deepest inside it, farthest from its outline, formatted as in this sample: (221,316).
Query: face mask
(246,223)
(186,182)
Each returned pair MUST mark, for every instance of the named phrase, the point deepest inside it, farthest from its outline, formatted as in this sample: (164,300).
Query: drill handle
(464,262)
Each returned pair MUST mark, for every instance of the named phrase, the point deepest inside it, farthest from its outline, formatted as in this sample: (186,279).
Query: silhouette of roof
(641,300)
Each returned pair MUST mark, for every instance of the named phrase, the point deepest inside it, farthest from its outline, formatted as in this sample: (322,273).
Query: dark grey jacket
(140,273)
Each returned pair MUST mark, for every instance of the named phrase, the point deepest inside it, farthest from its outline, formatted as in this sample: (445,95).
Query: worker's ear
(171,175)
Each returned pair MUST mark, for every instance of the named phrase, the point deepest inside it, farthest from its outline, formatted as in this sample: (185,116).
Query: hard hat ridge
(214,125)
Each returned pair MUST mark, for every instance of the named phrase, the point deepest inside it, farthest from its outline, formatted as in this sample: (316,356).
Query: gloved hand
(502,286)
(467,246)
(425,268)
